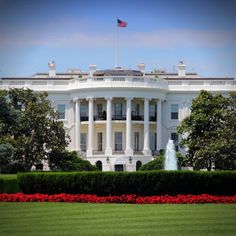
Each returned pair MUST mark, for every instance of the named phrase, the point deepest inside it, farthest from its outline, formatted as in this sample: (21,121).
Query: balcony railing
(152,118)
(137,117)
(84,118)
(116,117)
(100,117)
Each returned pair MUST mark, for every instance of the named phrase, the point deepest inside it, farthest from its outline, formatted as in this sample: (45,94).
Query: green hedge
(9,184)
(141,183)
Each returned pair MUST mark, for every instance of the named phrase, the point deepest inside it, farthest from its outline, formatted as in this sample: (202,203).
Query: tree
(209,132)
(32,126)
(69,161)
(156,164)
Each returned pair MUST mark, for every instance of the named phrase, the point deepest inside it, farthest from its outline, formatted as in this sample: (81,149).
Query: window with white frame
(99,141)
(83,141)
(153,143)
(136,141)
(118,109)
(61,108)
(174,111)
(118,141)
(83,110)
(99,110)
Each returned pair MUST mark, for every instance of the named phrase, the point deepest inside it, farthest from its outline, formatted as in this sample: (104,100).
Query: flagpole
(117,46)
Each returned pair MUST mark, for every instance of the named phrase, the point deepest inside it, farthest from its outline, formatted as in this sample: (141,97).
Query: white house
(118,118)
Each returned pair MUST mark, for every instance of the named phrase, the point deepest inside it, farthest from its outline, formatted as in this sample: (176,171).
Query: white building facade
(118,119)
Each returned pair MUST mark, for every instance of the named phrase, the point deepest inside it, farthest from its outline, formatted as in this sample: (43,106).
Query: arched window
(99,165)
(138,165)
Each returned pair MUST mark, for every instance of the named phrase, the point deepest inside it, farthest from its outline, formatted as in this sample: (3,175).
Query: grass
(116,219)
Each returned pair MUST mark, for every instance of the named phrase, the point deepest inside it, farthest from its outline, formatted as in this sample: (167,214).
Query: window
(119,168)
(138,165)
(136,141)
(99,110)
(118,141)
(152,110)
(118,109)
(83,142)
(100,141)
(61,111)
(83,110)
(137,109)
(99,165)
(174,111)
(152,141)
(175,138)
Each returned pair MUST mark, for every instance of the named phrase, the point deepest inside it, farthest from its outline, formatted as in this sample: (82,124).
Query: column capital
(129,98)
(75,99)
(89,98)
(108,98)
(146,99)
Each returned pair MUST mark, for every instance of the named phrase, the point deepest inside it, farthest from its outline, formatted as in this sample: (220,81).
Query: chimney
(181,69)
(92,69)
(141,67)
(52,69)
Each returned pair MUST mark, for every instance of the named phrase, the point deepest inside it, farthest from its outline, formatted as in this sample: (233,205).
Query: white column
(90,128)
(159,126)
(77,125)
(108,150)
(146,145)
(128,150)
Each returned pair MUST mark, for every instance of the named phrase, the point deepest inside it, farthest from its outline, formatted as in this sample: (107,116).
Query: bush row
(8,184)
(145,183)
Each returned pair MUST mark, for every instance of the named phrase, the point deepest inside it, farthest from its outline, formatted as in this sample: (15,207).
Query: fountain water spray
(170,156)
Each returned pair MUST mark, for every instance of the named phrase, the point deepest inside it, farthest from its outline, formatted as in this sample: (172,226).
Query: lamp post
(130,159)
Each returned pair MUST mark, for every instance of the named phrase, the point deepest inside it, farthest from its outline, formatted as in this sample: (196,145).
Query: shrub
(141,183)
(9,184)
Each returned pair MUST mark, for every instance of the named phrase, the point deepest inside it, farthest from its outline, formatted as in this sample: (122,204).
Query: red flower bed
(179,199)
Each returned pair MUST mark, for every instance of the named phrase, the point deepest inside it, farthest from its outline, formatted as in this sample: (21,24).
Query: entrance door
(119,167)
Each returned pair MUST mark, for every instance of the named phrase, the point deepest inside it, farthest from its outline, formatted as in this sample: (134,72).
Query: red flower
(179,199)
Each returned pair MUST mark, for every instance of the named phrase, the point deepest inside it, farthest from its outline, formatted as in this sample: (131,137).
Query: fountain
(170,157)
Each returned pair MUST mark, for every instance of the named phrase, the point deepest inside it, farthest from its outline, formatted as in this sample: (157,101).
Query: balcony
(100,117)
(152,118)
(137,117)
(116,117)
(84,118)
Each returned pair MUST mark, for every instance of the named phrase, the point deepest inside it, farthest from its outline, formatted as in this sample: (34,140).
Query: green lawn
(116,219)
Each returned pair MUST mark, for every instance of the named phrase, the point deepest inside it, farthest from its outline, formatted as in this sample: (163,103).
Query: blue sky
(78,33)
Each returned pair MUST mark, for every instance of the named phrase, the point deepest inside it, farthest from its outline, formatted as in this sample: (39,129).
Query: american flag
(121,23)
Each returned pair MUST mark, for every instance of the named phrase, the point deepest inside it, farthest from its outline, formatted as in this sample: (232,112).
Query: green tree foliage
(29,123)
(156,164)
(69,161)
(209,132)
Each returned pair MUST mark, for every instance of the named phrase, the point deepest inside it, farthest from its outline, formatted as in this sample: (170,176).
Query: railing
(100,117)
(84,118)
(117,81)
(137,117)
(152,118)
(198,84)
(116,117)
